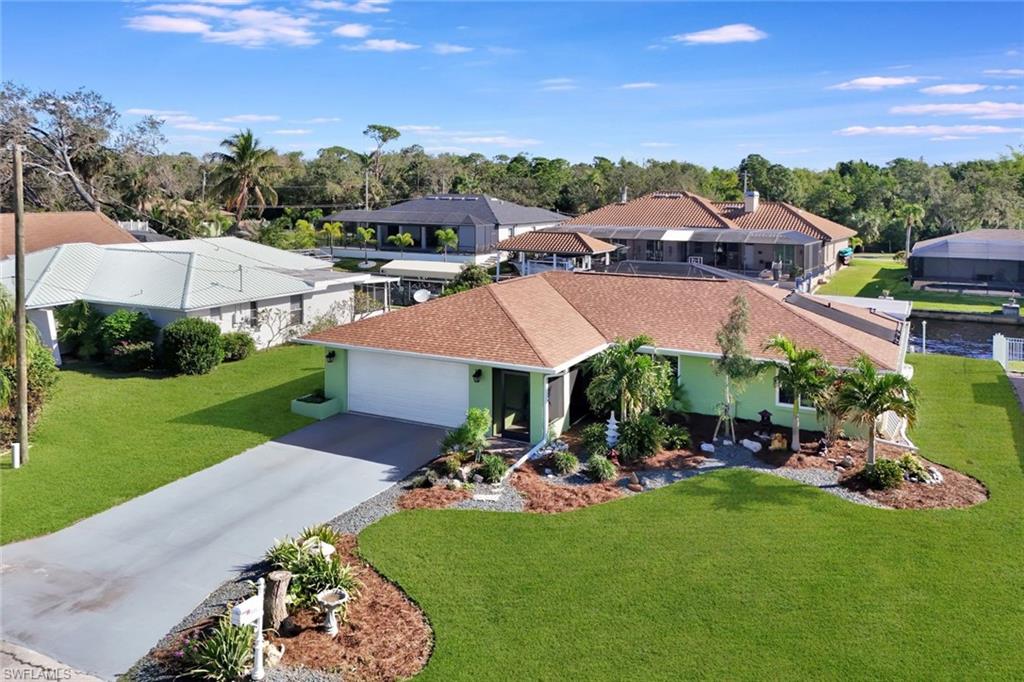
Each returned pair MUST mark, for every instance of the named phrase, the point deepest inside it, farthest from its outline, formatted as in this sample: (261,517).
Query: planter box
(327,408)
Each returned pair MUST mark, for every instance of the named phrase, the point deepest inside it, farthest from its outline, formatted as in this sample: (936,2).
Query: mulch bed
(956,490)
(385,636)
(437,497)
(677,460)
(550,498)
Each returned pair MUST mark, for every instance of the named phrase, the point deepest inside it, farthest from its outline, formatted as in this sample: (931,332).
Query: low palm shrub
(222,654)
(641,438)
(237,346)
(600,468)
(594,438)
(492,468)
(192,346)
(565,462)
(883,474)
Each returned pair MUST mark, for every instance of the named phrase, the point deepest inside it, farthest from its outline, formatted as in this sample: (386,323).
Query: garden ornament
(331,601)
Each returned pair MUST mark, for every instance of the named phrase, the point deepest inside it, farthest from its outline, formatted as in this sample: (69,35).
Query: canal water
(966,339)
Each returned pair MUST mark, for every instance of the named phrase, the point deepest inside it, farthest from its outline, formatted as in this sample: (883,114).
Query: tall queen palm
(244,172)
(801,375)
(865,395)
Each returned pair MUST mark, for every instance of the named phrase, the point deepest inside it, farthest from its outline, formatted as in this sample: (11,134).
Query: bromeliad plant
(866,394)
(802,375)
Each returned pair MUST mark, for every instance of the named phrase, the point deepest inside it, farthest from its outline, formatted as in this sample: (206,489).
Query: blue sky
(801,83)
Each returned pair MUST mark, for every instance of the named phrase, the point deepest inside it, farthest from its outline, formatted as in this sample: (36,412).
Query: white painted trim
(432,356)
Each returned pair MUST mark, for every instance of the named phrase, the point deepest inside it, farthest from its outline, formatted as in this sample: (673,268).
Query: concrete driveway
(97,595)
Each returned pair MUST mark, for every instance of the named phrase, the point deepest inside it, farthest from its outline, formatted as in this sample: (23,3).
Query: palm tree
(366,236)
(629,380)
(911,215)
(800,375)
(243,171)
(402,240)
(447,238)
(865,395)
(332,231)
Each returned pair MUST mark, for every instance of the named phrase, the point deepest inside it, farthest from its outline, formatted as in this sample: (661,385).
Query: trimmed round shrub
(237,346)
(192,346)
(565,462)
(126,326)
(131,357)
(641,438)
(594,438)
(600,468)
(883,474)
(492,468)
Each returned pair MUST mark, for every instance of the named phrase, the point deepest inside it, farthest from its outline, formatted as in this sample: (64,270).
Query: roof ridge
(570,303)
(812,318)
(706,205)
(490,290)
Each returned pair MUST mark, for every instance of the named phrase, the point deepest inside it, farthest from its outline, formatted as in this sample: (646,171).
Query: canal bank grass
(737,575)
(869,277)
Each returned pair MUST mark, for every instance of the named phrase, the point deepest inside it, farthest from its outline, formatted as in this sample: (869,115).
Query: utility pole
(19,303)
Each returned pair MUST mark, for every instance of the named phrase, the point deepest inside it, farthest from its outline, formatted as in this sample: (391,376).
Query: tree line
(79,155)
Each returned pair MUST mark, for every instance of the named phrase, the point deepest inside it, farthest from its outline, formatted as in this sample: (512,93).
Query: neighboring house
(993,258)
(516,347)
(242,286)
(480,221)
(44,230)
(555,250)
(753,237)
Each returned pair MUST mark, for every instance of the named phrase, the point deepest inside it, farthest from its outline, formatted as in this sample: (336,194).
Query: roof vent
(625,195)
(751,200)
(667,195)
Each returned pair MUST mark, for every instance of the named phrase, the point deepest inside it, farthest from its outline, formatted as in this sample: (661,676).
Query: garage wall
(413,388)
(336,377)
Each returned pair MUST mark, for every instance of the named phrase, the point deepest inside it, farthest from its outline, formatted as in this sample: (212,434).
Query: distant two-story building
(752,237)
(480,221)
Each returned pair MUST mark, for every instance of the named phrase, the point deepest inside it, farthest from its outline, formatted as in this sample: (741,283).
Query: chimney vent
(751,200)
(625,194)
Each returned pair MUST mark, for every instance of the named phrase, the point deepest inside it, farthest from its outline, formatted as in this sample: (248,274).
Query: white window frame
(301,309)
(254,315)
(789,406)
(216,313)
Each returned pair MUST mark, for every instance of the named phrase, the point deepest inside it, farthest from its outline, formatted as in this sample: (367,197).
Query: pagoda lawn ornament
(766,420)
(612,437)
(331,601)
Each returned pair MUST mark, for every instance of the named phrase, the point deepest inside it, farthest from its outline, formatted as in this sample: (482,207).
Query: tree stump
(275,609)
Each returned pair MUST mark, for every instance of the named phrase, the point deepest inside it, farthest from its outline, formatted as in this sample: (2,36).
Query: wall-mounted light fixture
(331,355)
(477,375)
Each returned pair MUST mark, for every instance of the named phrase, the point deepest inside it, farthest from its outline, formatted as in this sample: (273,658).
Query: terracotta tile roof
(550,319)
(687,210)
(43,230)
(568,243)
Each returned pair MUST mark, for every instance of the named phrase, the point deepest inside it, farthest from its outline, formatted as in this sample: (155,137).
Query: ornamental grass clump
(312,572)
(600,468)
(565,462)
(594,438)
(492,468)
(222,654)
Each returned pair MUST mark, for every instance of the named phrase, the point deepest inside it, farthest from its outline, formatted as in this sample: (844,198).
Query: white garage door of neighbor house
(415,389)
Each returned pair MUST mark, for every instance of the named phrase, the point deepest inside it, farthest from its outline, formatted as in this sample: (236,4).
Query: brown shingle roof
(550,319)
(687,210)
(567,243)
(43,230)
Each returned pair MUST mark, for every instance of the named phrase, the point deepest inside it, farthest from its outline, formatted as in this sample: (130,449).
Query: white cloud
(730,33)
(930,130)
(558,84)
(497,140)
(385,45)
(950,138)
(449,48)
(242,26)
(875,83)
(322,119)
(977,110)
(954,89)
(251,118)
(446,149)
(359,7)
(202,125)
(658,145)
(1005,73)
(419,129)
(642,85)
(292,131)
(159,113)
(353,30)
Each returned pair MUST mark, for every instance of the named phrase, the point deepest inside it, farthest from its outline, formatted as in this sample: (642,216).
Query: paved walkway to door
(97,595)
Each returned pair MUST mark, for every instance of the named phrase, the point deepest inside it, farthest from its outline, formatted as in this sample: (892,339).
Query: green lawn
(738,575)
(871,276)
(105,438)
(352,265)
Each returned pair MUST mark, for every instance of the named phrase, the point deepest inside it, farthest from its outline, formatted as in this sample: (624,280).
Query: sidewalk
(19,663)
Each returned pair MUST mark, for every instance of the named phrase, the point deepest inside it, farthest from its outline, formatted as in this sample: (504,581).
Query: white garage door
(415,389)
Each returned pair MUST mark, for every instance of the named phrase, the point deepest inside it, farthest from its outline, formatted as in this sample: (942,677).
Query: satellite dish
(421,295)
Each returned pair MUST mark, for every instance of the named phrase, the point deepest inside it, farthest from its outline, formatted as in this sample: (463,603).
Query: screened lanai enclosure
(981,258)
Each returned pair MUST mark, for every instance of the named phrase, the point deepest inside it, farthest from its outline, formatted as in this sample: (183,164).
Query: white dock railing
(1008,352)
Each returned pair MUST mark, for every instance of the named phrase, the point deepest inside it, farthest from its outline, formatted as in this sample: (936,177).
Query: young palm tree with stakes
(402,240)
(366,236)
(623,378)
(801,375)
(447,238)
(244,171)
(865,395)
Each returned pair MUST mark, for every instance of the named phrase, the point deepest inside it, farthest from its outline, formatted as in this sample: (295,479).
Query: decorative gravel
(509,499)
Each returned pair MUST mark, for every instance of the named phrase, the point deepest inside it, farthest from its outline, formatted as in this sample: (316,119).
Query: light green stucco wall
(336,377)
(538,408)
(481,394)
(706,390)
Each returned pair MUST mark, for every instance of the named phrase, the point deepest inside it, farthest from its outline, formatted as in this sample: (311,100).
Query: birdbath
(331,601)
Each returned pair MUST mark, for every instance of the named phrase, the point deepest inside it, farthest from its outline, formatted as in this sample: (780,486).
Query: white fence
(1008,352)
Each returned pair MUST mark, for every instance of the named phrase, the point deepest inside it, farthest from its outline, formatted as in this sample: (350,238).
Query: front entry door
(514,404)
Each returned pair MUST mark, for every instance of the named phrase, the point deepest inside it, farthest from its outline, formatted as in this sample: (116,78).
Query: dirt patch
(437,497)
(385,636)
(956,490)
(550,498)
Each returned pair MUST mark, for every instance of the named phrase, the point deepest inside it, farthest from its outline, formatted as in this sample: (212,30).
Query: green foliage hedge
(641,438)
(78,329)
(125,326)
(237,346)
(192,346)
(131,357)
(883,474)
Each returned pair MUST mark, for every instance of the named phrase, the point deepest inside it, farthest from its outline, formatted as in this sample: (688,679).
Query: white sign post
(250,612)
